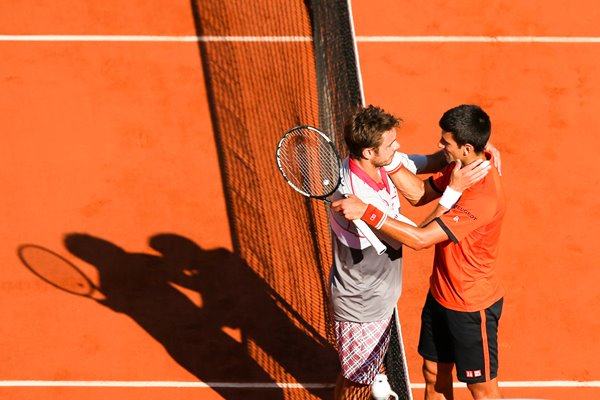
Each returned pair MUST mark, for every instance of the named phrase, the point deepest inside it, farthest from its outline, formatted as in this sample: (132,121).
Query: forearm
(449,198)
(414,237)
(437,212)
(429,164)
(409,185)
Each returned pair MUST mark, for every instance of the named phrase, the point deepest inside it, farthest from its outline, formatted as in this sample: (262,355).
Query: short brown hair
(365,127)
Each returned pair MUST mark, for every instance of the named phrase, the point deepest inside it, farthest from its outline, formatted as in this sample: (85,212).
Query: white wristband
(396,164)
(380,224)
(449,198)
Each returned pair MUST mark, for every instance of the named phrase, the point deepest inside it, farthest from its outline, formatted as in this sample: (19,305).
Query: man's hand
(463,178)
(350,208)
(496,154)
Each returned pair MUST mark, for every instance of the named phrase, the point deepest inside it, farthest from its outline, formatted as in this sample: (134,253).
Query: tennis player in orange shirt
(459,323)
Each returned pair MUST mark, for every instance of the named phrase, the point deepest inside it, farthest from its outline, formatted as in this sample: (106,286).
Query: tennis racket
(310,164)
(56,270)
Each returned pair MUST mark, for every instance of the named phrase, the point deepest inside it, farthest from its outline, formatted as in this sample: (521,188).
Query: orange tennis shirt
(464,267)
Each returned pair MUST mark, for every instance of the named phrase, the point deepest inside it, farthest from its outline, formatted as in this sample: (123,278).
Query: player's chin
(386,163)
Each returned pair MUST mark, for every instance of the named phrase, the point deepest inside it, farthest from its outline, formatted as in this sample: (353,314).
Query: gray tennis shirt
(365,287)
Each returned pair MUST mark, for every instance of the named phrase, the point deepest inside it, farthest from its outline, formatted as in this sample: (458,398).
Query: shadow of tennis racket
(57,271)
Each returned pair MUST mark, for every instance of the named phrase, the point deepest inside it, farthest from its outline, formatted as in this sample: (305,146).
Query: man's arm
(417,238)
(413,188)
(496,155)
(432,163)
(419,192)
(437,212)
(460,180)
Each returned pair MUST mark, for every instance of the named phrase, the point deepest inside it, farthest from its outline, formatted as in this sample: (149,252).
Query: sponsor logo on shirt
(465,211)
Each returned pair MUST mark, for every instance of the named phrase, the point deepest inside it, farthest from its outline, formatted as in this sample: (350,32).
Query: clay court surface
(108,155)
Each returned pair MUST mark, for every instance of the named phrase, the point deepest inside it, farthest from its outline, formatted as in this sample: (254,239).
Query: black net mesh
(295,65)
(340,91)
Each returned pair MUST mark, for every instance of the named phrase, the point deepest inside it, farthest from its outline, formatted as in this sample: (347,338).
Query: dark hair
(468,124)
(365,128)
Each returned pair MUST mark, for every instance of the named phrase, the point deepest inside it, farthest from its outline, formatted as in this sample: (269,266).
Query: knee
(437,373)
(485,390)
(438,380)
(429,372)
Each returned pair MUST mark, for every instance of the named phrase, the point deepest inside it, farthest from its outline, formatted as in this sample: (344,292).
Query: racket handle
(371,237)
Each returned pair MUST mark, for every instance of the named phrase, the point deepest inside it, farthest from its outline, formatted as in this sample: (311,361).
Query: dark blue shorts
(467,339)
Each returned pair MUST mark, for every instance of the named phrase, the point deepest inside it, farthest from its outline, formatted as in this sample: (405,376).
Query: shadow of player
(268,346)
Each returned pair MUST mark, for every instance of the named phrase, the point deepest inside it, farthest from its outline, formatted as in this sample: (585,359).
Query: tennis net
(269,66)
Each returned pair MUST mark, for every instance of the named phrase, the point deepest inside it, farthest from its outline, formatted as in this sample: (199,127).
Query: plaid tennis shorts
(361,348)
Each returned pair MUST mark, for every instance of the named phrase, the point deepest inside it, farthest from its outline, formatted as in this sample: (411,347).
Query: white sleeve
(401,158)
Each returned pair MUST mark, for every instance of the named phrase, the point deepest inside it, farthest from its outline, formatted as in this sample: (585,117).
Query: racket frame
(333,149)
(362,227)
(90,286)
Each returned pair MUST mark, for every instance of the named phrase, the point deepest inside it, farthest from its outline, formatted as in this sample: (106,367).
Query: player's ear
(367,153)
(467,149)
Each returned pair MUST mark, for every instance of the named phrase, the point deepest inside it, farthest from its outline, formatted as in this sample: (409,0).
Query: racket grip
(370,236)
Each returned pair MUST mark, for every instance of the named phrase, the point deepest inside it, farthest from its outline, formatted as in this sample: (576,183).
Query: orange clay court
(110,145)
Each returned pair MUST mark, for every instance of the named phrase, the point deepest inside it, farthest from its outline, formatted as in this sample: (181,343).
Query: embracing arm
(414,189)
(496,156)
(417,238)
(427,233)
(438,211)
(460,180)
(432,163)
(419,192)
(414,237)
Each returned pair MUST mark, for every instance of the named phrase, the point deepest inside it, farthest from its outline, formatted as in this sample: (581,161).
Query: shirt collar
(360,173)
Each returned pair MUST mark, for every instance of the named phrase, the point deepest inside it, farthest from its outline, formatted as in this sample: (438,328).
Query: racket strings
(309,163)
